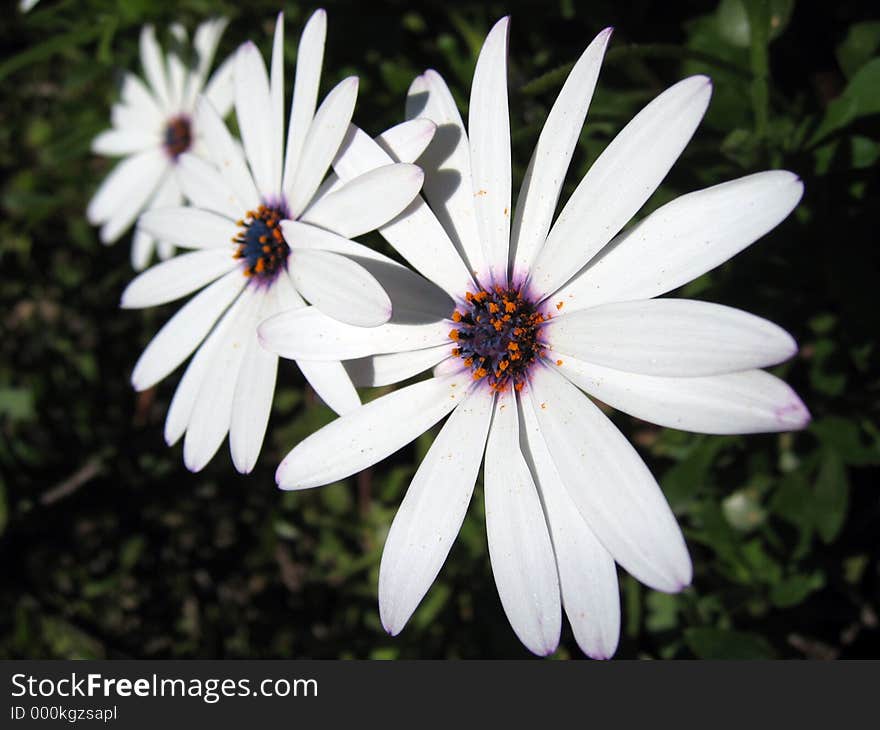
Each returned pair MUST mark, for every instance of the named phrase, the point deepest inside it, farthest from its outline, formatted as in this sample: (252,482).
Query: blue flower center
(261,244)
(178,136)
(497,335)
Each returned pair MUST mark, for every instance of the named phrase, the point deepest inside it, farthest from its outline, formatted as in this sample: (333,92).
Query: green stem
(759,32)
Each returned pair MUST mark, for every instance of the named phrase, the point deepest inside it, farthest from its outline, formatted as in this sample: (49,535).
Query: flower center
(261,244)
(497,335)
(178,136)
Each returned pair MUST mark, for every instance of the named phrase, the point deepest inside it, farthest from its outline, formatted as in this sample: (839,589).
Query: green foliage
(112,549)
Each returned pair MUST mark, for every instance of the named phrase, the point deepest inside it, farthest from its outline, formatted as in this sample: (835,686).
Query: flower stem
(759,32)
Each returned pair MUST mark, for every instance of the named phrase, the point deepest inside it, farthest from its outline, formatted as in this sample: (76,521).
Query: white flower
(152,126)
(26,6)
(264,234)
(566,495)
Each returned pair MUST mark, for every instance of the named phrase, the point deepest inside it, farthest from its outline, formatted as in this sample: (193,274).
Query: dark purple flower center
(178,136)
(261,243)
(497,335)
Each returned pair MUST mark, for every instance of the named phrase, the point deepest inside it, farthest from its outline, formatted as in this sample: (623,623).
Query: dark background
(110,548)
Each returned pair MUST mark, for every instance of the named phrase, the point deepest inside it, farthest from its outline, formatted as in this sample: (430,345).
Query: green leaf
(130,552)
(430,608)
(712,643)
(662,611)
(831,496)
(843,437)
(794,590)
(48,48)
(859,99)
(684,480)
(733,20)
(860,44)
(17,404)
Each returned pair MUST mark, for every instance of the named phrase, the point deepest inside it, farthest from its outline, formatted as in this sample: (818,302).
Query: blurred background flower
(112,549)
(152,127)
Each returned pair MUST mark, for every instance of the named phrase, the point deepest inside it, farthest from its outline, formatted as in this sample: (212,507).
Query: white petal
(310,55)
(176,278)
(137,98)
(181,334)
(367,201)
(187,391)
(452,365)
(432,511)
(138,198)
(126,116)
(141,250)
(206,188)
(165,250)
(620,181)
(167,195)
(543,180)
(190,228)
(322,143)
(670,337)
(392,367)
(154,67)
(225,153)
(416,233)
(332,384)
(177,75)
(133,179)
(115,142)
(339,287)
(220,90)
(684,239)
(212,410)
(308,334)
(369,434)
(406,142)
(751,401)
(587,574)
(489,128)
(415,299)
(305,236)
(328,379)
(519,542)
(254,119)
(251,404)
(447,164)
(276,93)
(610,484)
(205,41)
(285,293)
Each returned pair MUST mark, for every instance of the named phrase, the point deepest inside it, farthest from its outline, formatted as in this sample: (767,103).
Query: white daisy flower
(259,223)
(538,313)
(152,126)
(26,6)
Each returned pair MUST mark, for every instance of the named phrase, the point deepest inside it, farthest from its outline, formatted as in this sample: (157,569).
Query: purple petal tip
(794,416)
